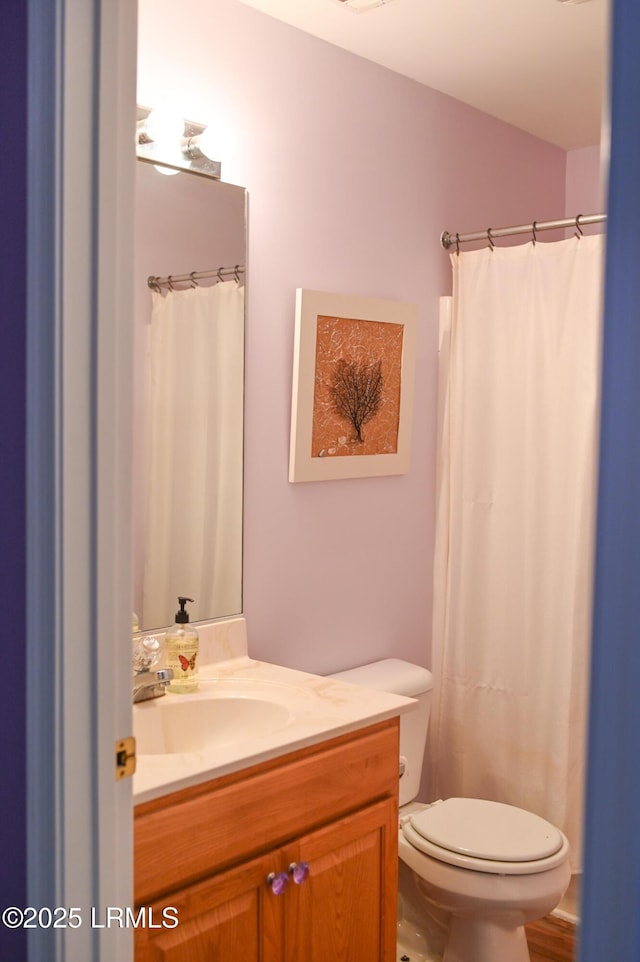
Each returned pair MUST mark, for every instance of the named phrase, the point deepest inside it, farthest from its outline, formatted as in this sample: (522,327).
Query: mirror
(187,458)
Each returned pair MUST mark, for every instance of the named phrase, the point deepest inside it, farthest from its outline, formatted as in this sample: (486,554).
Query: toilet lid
(487,830)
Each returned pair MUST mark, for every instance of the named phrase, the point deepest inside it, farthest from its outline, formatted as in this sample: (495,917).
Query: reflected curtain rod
(156,283)
(453,240)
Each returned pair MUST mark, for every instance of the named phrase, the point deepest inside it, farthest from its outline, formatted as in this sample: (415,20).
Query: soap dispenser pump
(181,651)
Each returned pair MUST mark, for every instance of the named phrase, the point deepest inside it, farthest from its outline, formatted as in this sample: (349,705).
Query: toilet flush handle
(402,766)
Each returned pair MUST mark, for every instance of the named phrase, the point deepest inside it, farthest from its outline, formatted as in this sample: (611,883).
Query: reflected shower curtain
(515,521)
(193,542)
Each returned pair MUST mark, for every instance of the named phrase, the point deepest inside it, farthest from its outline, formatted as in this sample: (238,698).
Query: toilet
(473,872)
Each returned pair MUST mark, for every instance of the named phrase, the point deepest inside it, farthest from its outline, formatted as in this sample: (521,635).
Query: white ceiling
(540,65)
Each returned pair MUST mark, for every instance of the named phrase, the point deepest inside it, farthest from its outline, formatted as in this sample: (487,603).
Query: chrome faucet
(147,681)
(151,684)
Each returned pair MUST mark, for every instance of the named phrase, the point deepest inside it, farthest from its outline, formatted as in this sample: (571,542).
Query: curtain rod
(453,240)
(156,283)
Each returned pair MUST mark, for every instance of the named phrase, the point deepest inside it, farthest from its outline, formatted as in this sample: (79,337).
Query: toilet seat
(486,836)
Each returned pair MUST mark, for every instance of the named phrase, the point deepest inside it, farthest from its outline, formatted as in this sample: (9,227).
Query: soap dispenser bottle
(181,652)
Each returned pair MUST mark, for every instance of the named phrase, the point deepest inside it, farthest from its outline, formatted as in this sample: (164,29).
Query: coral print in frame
(353,376)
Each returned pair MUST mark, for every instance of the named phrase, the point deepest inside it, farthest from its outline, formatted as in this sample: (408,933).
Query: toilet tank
(401,678)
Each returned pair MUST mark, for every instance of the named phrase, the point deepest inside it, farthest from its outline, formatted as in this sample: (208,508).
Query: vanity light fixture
(175,145)
(161,126)
(215,142)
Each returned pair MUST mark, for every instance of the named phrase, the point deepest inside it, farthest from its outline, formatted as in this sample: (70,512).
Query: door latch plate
(125,757)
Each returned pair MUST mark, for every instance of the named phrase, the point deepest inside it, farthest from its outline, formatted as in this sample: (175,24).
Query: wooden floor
(551,940)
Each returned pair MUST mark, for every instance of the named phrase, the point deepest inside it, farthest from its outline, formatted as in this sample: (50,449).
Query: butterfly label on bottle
(188,663)
(185,670)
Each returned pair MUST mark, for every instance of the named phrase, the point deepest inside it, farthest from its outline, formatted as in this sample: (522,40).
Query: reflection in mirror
(188,396)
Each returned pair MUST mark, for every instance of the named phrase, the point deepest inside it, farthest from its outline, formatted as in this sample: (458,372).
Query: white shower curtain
(193,542)
(515,525)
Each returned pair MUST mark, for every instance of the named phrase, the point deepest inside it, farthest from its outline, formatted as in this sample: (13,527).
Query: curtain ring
(194,282)
(170,283)
(533,232)
(220,277)
(236,276)
(579,232)
(491,244)
(458,244)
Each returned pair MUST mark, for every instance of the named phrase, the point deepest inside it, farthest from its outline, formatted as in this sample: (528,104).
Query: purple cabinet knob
(277,882)
(299,872)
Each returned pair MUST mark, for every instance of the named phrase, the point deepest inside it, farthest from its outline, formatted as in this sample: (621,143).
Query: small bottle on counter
(181,652)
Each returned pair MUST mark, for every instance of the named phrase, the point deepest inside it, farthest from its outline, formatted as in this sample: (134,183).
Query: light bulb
(164,125)
(167,171)
(217,144)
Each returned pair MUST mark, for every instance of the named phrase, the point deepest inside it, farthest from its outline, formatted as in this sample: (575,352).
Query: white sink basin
(243,713)
(219,713)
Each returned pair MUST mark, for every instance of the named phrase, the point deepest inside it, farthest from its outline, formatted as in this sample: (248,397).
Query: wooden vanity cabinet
(210,850)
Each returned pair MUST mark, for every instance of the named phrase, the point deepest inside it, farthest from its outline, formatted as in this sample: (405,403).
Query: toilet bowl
(480,869)
(485,869)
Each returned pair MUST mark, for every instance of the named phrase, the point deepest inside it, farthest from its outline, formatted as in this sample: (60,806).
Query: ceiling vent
(359,6)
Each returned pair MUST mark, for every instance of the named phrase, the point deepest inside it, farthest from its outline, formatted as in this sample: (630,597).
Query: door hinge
(125,757)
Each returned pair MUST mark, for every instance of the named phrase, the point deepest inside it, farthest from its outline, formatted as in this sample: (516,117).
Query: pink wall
(585,182)
(353,173)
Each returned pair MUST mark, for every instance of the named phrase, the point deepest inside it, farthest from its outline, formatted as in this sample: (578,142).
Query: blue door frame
(611,893)
(13,252)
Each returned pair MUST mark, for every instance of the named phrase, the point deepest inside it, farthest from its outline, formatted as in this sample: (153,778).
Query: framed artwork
(353,381)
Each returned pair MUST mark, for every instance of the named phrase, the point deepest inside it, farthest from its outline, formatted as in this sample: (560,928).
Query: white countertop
(313,708)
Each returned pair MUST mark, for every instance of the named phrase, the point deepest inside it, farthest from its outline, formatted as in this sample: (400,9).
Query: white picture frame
(348,348)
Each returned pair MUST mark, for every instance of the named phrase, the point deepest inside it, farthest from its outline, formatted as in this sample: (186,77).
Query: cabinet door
(232,915)
(345,911)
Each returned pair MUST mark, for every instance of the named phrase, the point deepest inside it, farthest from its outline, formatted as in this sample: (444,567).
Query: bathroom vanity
(273,839)
(218,853)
